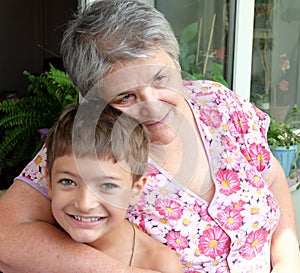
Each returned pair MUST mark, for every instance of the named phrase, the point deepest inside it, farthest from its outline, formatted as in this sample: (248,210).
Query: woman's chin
(162,136)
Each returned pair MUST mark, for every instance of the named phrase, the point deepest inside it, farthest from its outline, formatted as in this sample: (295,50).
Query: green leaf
(184,49)
(188,33)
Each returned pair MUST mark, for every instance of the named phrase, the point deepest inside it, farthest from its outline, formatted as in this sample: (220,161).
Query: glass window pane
(202,29)
(275,67)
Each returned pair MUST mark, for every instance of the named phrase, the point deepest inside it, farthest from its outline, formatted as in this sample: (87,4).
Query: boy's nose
(86,200)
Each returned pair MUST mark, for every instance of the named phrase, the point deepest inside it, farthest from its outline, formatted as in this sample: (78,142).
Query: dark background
(30,35)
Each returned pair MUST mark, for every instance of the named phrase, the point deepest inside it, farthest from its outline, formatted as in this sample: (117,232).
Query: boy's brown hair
(97,130)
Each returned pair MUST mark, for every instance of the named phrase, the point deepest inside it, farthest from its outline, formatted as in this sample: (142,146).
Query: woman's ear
(49,184)
(137,190)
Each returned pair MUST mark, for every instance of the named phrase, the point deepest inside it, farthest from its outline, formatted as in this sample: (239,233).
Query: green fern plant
(21,119)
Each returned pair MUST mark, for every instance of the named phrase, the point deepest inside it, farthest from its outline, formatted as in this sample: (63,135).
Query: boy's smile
(90,197)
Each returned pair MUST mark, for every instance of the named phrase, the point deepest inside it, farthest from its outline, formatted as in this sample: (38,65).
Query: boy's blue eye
(67,182)
(109,186)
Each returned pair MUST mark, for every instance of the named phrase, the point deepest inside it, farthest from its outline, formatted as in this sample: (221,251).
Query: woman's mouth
(156,123)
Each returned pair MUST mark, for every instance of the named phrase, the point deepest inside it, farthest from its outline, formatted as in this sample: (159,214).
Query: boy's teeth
(86,219)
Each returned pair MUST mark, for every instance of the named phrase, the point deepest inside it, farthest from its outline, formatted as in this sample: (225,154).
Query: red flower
(240,122)
(169,209)
(284,85)
(211,117)
(259,156)
(176,241)
(230,218)
(254,243)
(285,65)
(214,242)
(229,181)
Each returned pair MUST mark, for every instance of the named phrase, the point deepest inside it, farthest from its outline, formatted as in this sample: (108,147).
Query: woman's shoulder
(208,94)
(154,255)
(205,86)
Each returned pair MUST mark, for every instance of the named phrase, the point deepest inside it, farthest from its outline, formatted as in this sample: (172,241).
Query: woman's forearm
(30,243)
(54,252)
(284,246)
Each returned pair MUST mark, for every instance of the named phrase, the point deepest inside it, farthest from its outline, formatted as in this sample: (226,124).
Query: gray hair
(109,32)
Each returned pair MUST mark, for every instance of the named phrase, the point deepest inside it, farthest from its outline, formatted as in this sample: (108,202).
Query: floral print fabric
(233,232)
(35,172)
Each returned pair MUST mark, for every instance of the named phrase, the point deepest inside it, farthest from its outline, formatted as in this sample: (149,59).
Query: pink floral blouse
(233,232)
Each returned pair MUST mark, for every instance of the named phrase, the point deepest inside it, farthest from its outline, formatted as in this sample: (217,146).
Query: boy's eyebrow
(63,172)
(96,178)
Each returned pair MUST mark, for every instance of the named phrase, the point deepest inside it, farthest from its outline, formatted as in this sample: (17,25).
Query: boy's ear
(137,190)
(49,184)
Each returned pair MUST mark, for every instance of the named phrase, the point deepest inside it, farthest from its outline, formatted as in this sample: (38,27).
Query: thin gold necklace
(133,244)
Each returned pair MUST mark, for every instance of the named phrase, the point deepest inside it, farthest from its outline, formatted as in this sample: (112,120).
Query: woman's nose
(147,93)
(148,103)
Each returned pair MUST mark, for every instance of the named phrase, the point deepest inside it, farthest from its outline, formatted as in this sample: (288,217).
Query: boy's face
(90,197)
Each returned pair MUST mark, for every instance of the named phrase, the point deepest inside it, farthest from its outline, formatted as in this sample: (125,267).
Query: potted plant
(285,142)
(25,121)
(207,67)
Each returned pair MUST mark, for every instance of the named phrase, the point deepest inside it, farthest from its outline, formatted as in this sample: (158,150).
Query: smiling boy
(96,158)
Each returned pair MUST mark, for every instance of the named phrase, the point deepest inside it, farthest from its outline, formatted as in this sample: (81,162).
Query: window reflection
(202,28)
(275,67)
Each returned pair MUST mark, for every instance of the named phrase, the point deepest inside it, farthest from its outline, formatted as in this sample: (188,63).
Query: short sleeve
(34,173)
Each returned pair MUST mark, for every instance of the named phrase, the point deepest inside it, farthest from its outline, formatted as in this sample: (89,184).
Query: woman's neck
(181,157)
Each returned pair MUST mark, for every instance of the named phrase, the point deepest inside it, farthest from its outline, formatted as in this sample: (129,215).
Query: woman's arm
(29,242)
(284,249)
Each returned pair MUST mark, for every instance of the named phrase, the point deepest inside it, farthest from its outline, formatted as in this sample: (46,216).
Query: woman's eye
(123,100)
(159,79)
(127,98)
(67,182)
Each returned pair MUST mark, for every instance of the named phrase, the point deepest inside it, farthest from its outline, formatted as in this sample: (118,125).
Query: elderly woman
(215,194)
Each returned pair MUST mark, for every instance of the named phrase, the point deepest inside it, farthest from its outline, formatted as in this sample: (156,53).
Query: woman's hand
(29,242)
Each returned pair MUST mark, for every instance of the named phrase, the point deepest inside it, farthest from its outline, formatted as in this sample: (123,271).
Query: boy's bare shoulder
(152,254)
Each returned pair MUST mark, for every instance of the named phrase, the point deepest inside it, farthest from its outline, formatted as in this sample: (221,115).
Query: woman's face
(150,90)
